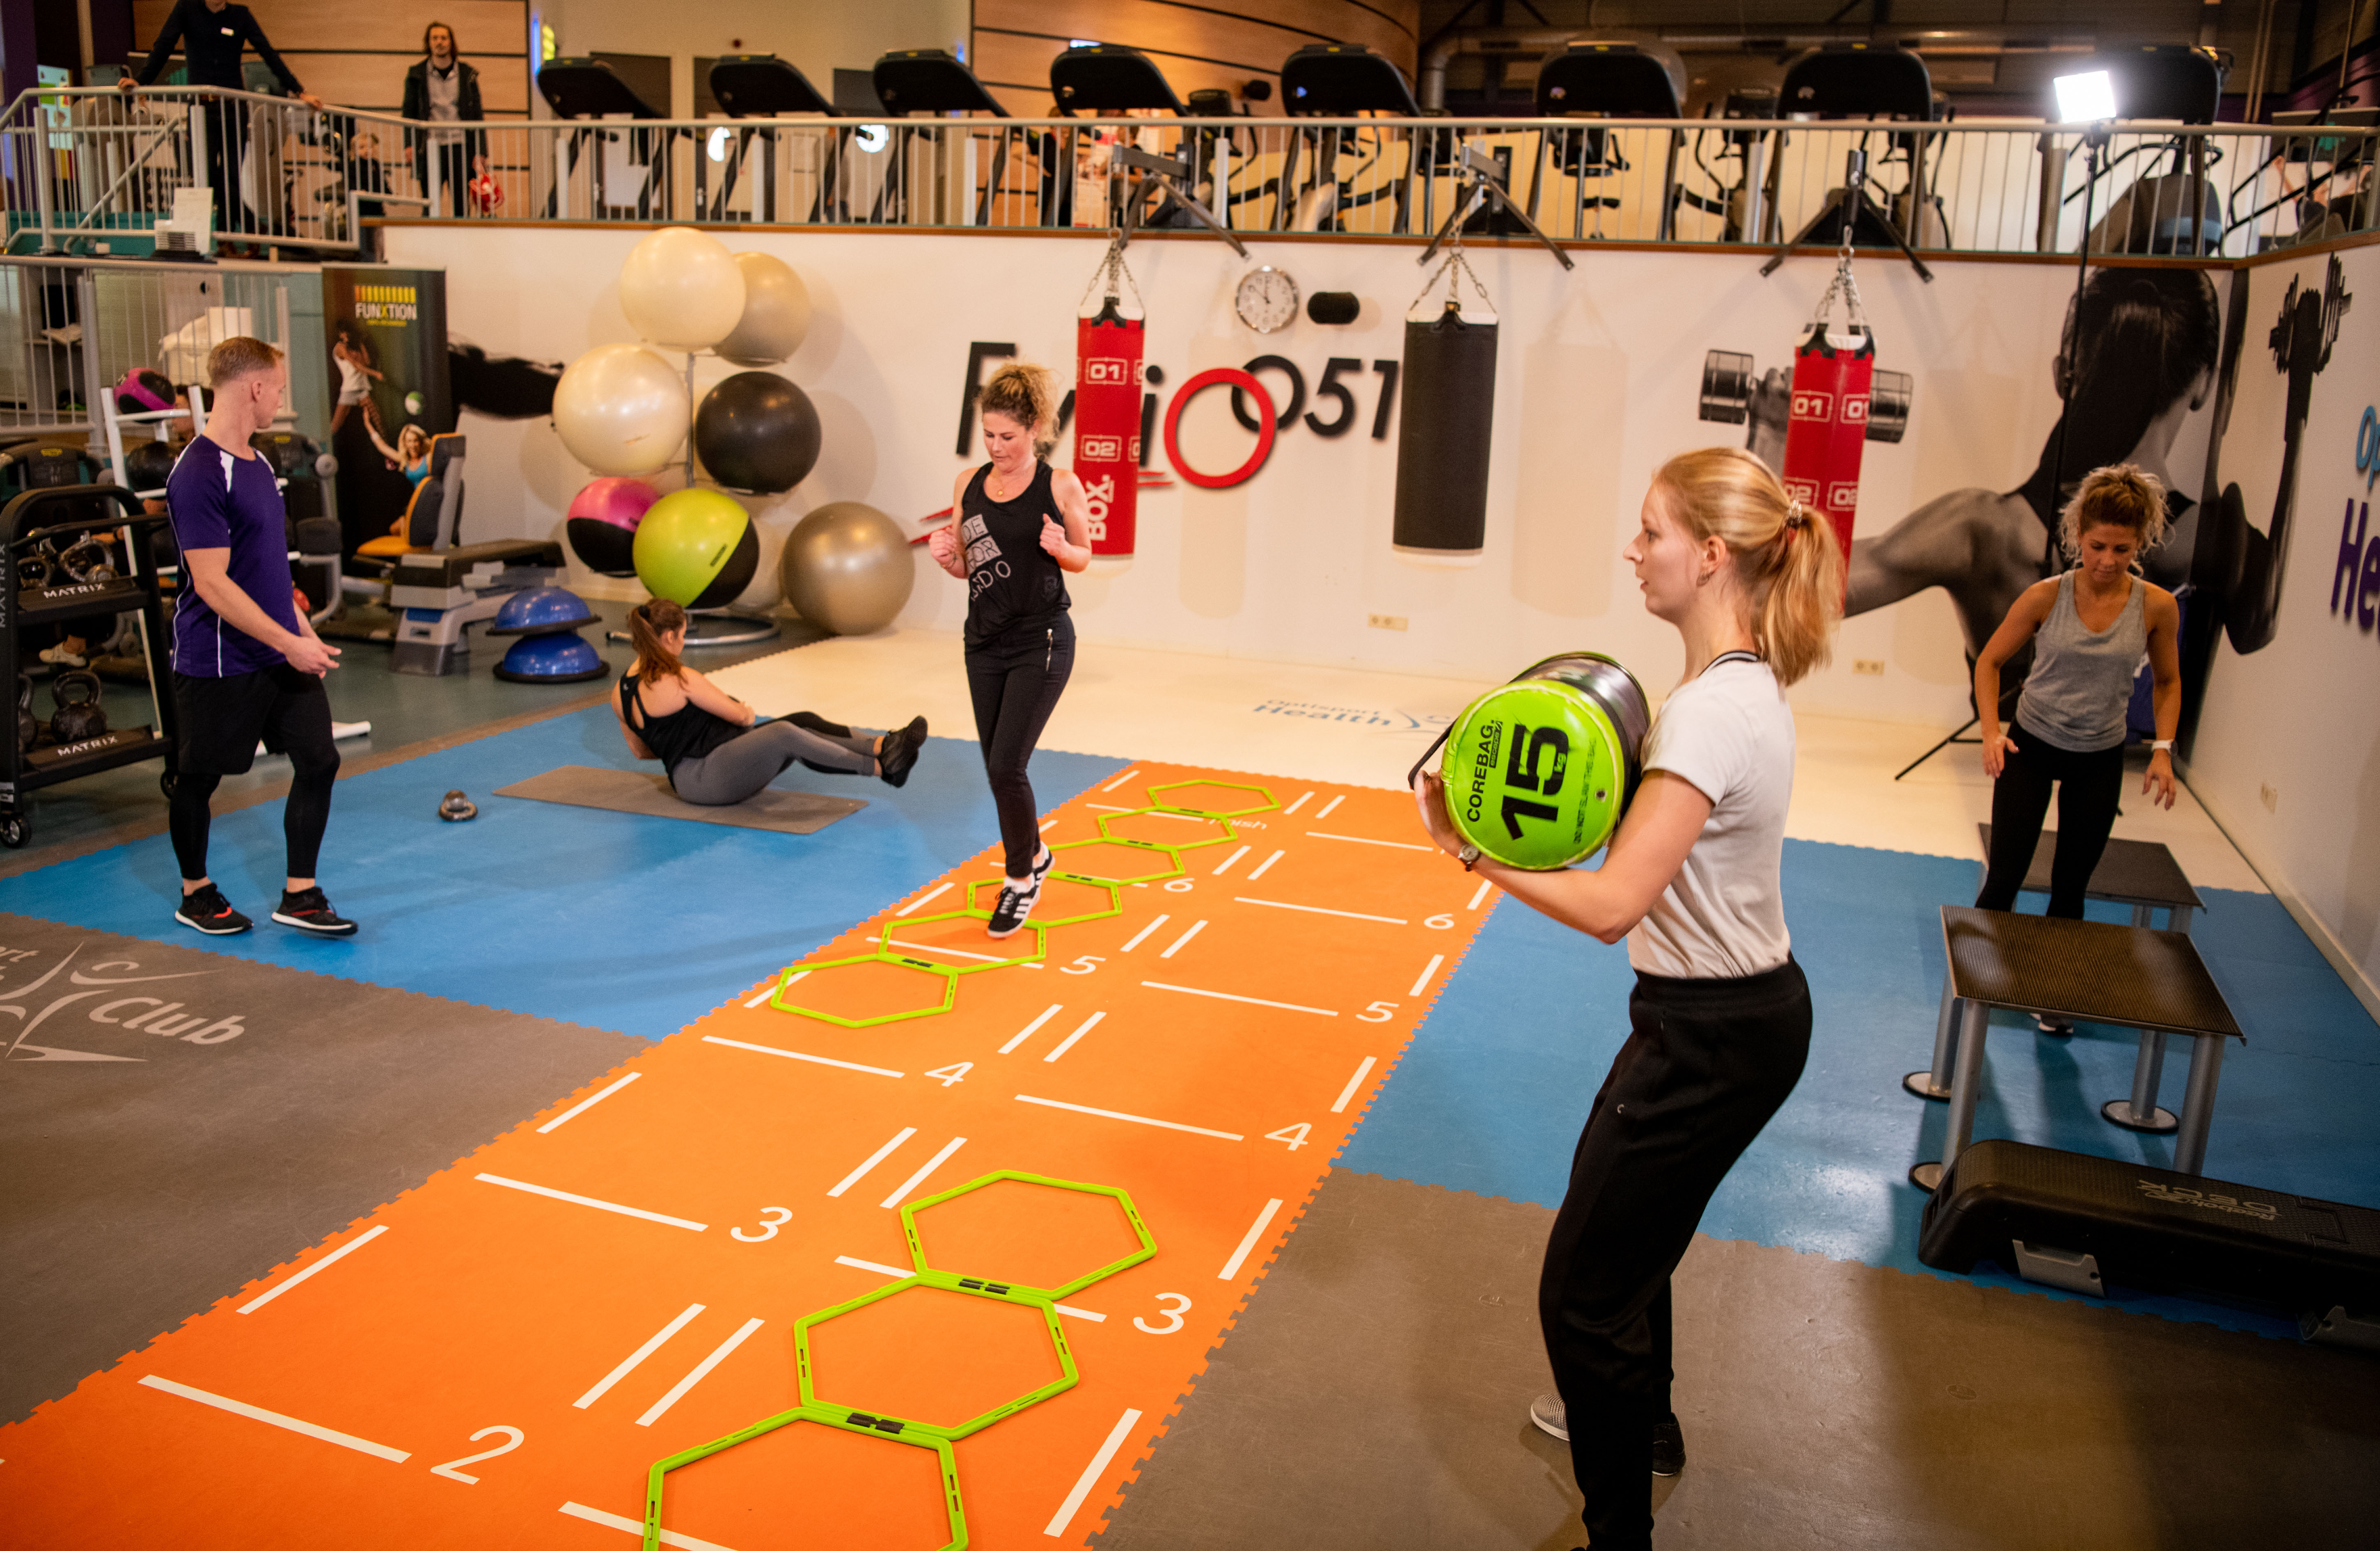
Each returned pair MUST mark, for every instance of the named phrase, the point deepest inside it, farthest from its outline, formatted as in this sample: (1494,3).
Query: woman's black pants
(2090,786)
(1706,1064)
(1016,689)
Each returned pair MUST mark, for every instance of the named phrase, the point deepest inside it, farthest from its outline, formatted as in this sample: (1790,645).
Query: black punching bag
(1446,414)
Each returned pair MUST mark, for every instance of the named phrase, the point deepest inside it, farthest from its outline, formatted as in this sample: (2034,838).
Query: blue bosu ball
(542,610)
(564,658)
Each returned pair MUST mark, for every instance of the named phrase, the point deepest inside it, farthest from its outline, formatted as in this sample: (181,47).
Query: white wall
(1598,377)
(2300,721)
(815,38)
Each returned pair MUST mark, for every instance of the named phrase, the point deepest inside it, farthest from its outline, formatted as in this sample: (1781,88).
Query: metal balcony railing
(87,166)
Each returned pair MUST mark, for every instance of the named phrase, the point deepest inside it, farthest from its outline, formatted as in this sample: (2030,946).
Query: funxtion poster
(387,334)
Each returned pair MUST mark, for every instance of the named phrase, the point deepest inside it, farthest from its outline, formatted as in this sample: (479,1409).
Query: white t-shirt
(1730,734)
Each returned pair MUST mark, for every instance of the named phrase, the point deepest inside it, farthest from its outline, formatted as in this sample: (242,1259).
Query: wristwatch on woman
(1468,855)
(2162,745)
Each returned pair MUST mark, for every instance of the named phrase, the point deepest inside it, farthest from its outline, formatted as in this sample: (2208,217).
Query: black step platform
(2154,1229)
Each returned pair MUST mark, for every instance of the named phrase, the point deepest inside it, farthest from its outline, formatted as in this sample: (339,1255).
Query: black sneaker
(310,911)
(1042,869)
(1669,1446)
(900,753)
(2057,1028)
(205,910)
(1014,905)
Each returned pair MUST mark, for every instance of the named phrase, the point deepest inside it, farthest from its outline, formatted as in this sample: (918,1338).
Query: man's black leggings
(1015,691)
(222,720)
(2090,787)
(304,816)
(1706,1063)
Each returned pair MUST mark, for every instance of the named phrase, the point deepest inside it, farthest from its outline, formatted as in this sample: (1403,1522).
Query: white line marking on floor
(1226,995)
(1029,1030)
(949,952)
(1353,1084)
(1185,818)
(1317,910)
(878,1266)
(1092,1473)
(1121,779)
(1295,806)
(1435,960)
(358,1242)
(1325,811)
(1266,866)
(1048,825)
(1184,941)
(1141,935)
(1110,807)
(1264,1220)
(1080,1314)
(1068,1043)
(701,1371)
(1136,1119)
(937,892)
(878,1156)
(637,1527)
(1364,840)
(594,1099)
(1229,860)
(797,1055)
(660,1339)
(590,1201)
(774,986)
(258,1413)
(914,1181)
(1480,894)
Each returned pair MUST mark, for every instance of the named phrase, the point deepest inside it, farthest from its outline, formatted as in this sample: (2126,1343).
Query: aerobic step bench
(2077,1222)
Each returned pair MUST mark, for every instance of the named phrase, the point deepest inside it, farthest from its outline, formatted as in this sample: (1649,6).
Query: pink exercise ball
(602,523)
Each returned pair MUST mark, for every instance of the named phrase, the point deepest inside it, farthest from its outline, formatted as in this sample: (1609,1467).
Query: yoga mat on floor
(792,813)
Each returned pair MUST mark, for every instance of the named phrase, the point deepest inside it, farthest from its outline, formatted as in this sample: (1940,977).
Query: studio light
(2085,98)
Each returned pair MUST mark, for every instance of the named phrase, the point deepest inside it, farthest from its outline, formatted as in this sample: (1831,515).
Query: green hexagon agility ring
(1540,771)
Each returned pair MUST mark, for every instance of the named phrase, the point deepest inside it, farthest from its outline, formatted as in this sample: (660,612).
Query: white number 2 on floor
(950,1075)
(1295,1135)
(1171,1316)
(451,1469)
(772,1220)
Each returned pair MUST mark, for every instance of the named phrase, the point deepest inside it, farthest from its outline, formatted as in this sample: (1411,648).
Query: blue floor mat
(1491,1093)
(619,921)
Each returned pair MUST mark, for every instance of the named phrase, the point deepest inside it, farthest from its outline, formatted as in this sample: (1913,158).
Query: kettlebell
(28,727)
(79,715)
(454,807)
(32,569)
(88,560)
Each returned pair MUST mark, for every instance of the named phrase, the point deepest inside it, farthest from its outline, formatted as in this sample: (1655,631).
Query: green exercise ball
(697,549)
(1540,772)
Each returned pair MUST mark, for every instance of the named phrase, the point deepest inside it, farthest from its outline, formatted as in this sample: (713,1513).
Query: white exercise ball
(621,409)
(766,587)
(776,312)
(681,289)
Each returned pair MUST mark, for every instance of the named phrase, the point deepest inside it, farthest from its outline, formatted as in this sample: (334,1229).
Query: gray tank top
(2082,681)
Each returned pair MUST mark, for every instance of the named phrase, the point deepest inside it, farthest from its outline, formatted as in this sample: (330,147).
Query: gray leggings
(735,769)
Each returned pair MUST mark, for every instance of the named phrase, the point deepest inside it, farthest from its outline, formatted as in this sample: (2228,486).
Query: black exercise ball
(756,432)
(147,465)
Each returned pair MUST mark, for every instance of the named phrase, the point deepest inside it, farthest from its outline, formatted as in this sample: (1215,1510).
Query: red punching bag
(1107,414)
(1833,371)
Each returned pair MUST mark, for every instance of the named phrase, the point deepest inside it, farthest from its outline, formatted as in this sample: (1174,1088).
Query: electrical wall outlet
(1872,666)
(1387,622)
(2269,797)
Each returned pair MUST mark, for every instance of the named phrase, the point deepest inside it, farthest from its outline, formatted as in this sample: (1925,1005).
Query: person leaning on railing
(211,34)
(442,89)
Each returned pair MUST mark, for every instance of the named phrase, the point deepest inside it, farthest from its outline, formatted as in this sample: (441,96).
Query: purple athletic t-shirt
(219,502)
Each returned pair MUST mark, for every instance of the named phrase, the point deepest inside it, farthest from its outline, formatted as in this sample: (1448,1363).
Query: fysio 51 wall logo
(2355,584)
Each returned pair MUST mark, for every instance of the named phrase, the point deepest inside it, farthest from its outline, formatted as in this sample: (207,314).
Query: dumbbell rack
(23,523)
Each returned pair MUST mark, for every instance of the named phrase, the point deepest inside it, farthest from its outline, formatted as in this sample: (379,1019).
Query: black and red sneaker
(310,911)
(204,909)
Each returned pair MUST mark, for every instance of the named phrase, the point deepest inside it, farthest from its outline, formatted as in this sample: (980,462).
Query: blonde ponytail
(1785,554)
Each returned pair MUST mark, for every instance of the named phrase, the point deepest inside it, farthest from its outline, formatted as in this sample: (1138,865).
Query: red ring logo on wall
(1216,377)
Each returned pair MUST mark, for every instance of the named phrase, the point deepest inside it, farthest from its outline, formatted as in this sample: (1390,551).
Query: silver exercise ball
(847,567)
(776,312)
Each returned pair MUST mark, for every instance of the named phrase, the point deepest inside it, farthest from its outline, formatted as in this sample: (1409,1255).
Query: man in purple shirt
(248,667)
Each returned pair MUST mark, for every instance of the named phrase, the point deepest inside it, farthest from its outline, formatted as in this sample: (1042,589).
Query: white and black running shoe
(1014,905)
(310,911)
(205,910)
(1042,869)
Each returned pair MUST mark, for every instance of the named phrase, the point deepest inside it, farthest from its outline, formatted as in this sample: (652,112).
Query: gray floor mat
(1374,1394)
(772,807)
(147,1171)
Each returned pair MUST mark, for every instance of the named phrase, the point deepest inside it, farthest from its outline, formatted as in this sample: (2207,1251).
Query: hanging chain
(1110,268)
(1455,262)
(1842,286)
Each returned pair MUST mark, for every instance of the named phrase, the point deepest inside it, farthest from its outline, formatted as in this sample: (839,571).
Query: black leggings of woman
(1706,1063)
(2089,788)
(304,815)
(1015,691)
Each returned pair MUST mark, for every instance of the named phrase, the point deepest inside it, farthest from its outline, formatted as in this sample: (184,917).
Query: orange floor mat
(496,1357)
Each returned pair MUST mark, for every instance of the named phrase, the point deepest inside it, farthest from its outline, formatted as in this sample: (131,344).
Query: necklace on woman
(996,483)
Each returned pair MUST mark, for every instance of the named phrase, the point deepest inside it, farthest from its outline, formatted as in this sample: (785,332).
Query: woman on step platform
(714,746)
(1720,1021)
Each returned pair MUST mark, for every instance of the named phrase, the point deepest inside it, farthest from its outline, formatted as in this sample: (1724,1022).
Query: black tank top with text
(1015,588)
(688,733)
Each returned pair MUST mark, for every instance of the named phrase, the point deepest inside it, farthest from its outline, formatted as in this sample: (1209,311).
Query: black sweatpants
(1014,691)
(2090,787)
(1706,1064)
(221,721)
